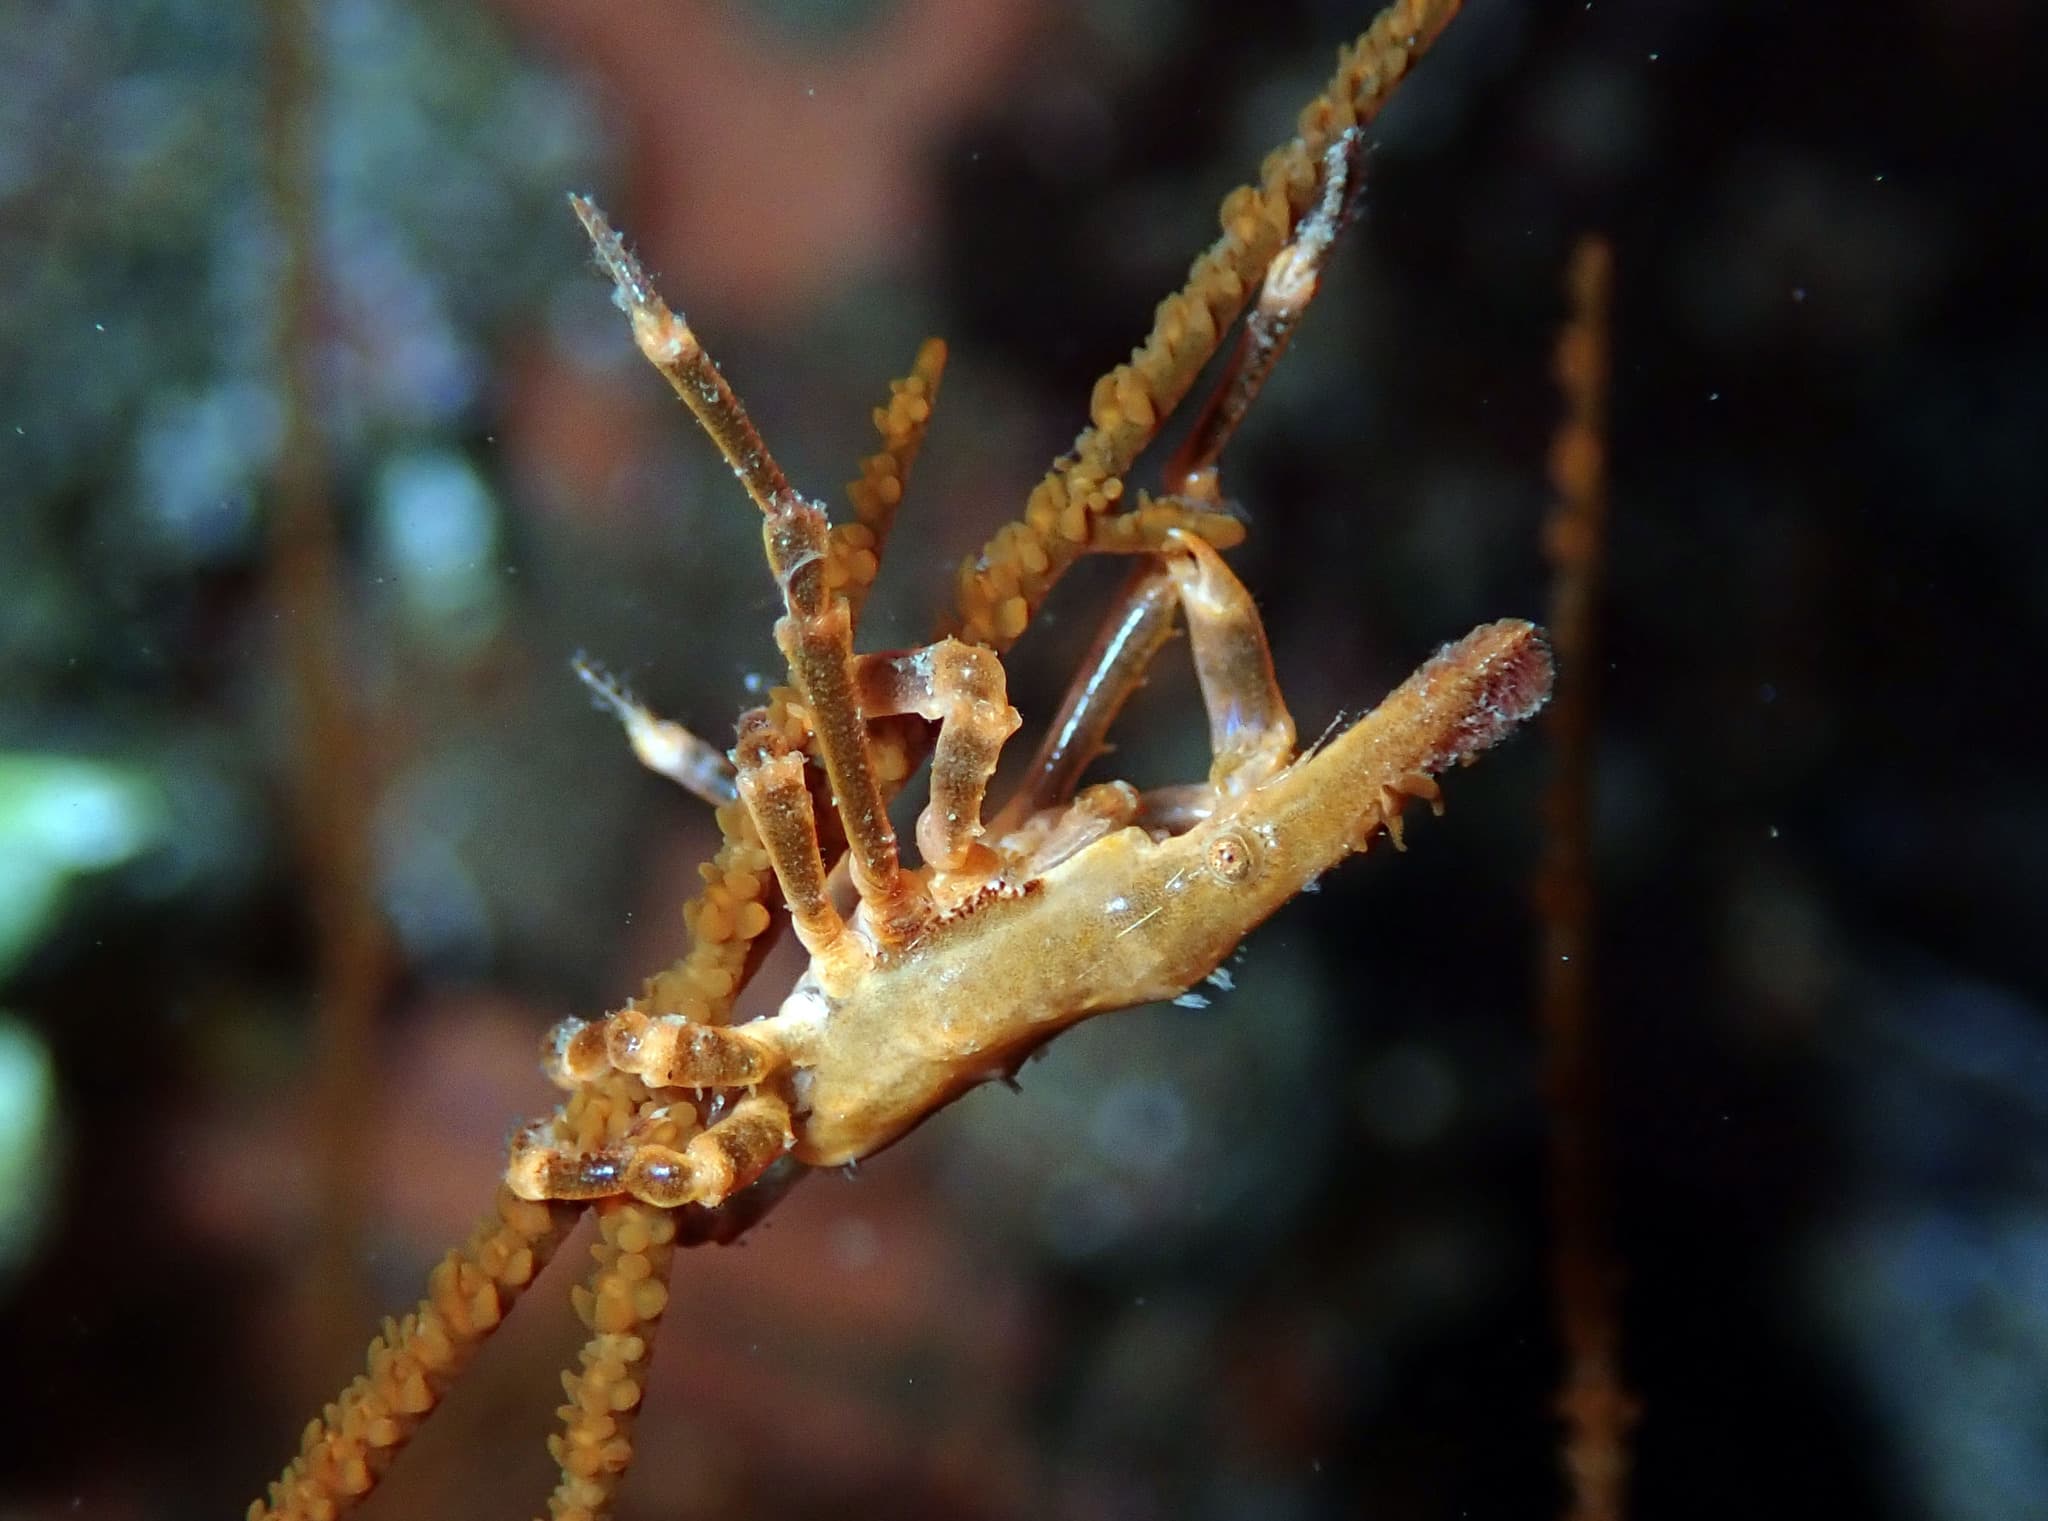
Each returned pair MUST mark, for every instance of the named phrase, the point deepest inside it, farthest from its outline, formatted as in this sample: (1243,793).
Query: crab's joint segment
(771,784)
(665,1051)
(717,1161)
(962,688)
(816,638)
(1251,733)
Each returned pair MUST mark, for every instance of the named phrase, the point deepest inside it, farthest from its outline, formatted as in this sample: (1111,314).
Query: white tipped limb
(663,747)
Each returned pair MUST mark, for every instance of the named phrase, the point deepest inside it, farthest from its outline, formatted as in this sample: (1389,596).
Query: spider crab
(1068,902)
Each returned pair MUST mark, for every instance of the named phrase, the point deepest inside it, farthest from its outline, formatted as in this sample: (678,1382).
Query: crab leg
(816,638)
(663,747)
(962,687)
(1141,619)
(1248,715)
(771,783)
(1230,657)
(719,1160)
(1251,733)
(671,346)
(1001,588)
(663,1051)
(1289,286)
(1136,627)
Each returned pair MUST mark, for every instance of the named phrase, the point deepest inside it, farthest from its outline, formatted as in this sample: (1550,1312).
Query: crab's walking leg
(1141,619)
(1289,286)
(671,346)
(663,747)
(1137,626)
(1250,730)
(817,635)
(662,1050)
(816,638)
(999,589)
(963,688)
(771,781)
(717,1161)
(621,1304)
(1251,733)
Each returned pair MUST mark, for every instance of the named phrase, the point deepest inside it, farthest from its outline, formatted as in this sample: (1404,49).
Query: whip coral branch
(1597,1408)
(331,786)
(415,1361)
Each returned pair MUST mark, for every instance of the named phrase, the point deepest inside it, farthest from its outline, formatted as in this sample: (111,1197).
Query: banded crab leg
(772,785)
(962,686)
(816,632)
(662,1050)
(719,1160)
(816,638)
(699,767)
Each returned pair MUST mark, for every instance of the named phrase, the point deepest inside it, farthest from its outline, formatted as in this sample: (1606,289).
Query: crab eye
(1232,857)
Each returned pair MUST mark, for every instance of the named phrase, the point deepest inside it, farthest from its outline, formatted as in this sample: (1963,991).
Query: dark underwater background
(1286,1256)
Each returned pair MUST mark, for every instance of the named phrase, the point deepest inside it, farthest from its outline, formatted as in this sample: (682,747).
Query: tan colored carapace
(923,981)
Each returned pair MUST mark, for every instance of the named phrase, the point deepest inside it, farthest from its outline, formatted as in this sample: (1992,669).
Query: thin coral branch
(331,785)
(1596,1406)
(723,931)
(412,1365)
(621,1305)
(855,553)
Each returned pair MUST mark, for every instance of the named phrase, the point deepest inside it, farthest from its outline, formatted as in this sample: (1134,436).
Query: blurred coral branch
(332,791)
(1597,1408)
